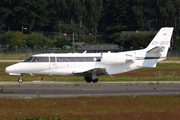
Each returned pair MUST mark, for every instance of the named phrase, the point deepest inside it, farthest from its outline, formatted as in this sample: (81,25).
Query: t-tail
(158,48)
(161,42)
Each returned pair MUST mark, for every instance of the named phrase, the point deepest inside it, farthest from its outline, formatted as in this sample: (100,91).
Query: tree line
(92,21)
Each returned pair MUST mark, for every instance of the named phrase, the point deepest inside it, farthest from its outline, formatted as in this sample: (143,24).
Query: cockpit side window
(29,59)
(34,59)
(37,59)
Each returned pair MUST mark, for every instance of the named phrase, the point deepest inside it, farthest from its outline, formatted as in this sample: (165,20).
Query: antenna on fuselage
(85,52)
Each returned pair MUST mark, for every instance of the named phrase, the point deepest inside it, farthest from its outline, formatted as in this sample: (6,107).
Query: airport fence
(34,50)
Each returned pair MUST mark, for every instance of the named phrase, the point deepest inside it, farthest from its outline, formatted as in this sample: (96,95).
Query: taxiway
(76,89)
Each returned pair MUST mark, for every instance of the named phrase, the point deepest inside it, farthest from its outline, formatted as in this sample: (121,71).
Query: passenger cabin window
(60,59)
(52,59)
(84,59)
(68,59)
(76,59)
(43,59)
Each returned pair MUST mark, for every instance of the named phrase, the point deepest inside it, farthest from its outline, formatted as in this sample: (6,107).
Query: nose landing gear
(20,80)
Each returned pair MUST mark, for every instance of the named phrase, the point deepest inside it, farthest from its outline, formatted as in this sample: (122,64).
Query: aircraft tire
(95,80)
(20,80)
(88,79)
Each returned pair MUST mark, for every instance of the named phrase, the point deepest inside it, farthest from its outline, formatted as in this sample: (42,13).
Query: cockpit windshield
(31,59)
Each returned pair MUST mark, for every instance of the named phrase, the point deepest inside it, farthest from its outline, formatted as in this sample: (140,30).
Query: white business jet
(92,65)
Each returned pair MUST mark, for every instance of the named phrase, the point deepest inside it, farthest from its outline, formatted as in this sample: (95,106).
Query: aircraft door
(52,63)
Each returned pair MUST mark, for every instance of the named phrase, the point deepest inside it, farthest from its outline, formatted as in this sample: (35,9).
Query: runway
(39,89)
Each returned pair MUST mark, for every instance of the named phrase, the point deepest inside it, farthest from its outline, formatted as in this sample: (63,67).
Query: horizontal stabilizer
(156,49)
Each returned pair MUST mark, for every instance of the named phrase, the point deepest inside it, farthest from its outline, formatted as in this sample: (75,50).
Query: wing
(88,72)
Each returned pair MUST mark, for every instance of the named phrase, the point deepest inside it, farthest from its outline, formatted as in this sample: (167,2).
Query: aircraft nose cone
(9,69)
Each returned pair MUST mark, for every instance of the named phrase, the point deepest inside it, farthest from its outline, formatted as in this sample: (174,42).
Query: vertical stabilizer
(161,42)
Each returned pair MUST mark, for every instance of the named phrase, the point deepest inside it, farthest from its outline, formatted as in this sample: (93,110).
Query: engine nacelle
(113,58)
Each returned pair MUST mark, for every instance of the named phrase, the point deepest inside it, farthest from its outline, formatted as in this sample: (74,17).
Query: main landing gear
(92,76)
(89,79)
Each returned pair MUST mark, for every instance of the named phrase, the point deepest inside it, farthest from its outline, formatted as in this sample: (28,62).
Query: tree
(116,16)
(28,13)
(18,40)
(61,42)
(38,40)
(176,43)
(6,38)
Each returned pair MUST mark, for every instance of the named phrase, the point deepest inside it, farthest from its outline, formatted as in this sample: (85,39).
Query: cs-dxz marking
(160,42)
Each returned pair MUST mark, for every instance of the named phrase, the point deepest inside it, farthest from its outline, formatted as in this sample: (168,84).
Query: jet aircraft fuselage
(92,65)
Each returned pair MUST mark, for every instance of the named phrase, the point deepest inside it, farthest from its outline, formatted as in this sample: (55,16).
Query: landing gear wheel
(88,79)
(20,80)
(95,80)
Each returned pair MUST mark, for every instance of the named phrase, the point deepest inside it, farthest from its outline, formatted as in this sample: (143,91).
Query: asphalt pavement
(38,89)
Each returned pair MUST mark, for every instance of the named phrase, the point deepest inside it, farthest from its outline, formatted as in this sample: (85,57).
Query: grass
(14,56)
(173,58)
(97,108)
(93,108)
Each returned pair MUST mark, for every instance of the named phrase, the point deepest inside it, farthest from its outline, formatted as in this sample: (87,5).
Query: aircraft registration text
(160,42)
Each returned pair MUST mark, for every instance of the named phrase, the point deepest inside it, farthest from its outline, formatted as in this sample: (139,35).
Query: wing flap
(82,70)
